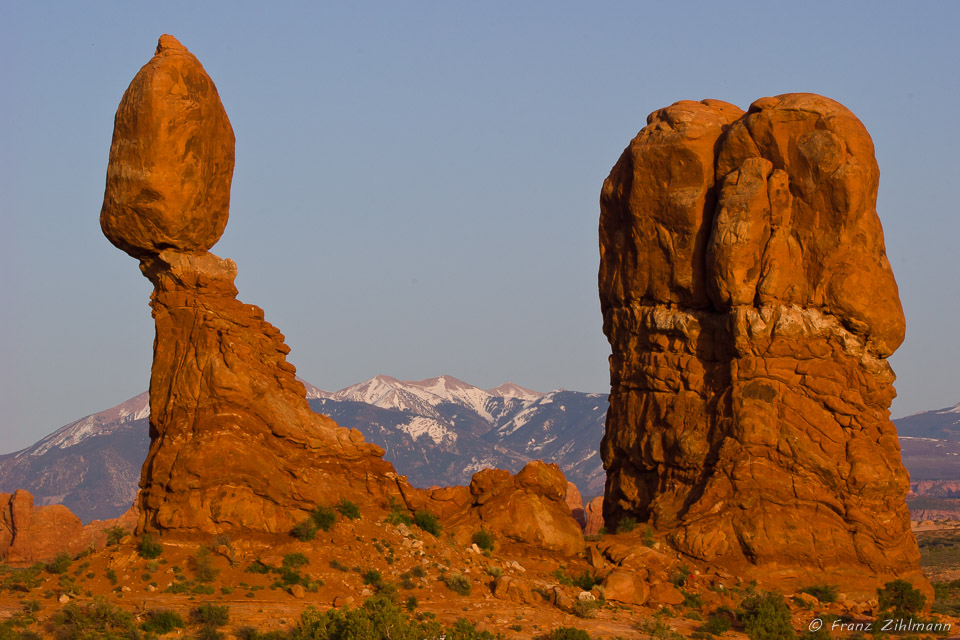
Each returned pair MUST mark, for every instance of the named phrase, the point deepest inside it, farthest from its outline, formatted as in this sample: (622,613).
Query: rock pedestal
(750,308)
(234,444)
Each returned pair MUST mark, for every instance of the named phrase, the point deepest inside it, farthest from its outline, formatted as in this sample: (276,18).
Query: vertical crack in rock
(750,308)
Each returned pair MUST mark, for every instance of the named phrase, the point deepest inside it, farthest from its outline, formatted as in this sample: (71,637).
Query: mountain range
(437,431)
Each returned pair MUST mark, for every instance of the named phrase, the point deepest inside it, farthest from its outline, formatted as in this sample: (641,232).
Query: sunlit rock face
(234,446)
(750,308)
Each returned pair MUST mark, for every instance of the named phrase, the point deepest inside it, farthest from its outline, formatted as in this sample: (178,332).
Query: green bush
(372,577)
(378,619)
(257,566)
(215,615)
(566,633)
(418,572)
(398,514)
(162,621)
(305,531)
(348,509)
(427,521)
(585,608)
(324,518)
(900,599)
(648,540)
(115,535)
(825,593)
(411,603)
(98,619)
(202,564)
(149,548)
(339,566)
(295,560)
(718,622)
(458,583)
(465,630)
(60,563)
(626,524)
(484,539)
(767,617)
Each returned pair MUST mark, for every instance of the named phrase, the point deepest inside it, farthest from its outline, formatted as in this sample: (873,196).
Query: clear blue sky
(417,184)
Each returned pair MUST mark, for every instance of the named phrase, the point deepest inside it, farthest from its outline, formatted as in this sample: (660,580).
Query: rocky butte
(234,446)
(751,309)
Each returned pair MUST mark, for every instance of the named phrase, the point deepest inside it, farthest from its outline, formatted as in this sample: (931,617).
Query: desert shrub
(115,535)
(484,539)
(251,633)
(566,633)
(465,630)
(348,509)
(202,564)
(294,560)
(74,622)
(657,629)
(767,617)
(398,514)
(339,566)
(149,548)
(324,518)
(60,563)
(825,593)
(718,622)
(585,608)
(427,521)
(494,571)
(458,583)
(587,580)
(691,600)
(257,566)
(418,572)
(111,576)
(215,615)
(626,524)
(305,531)
(162,621)
(900,599)
(648,540)
(372,577)
(411,603)
(378,619)
(209,632)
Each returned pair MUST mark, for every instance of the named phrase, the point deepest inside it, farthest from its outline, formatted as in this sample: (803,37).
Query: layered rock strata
(234,445)
(750,308)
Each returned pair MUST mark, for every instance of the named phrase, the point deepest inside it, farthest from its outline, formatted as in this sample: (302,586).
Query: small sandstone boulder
(624,586)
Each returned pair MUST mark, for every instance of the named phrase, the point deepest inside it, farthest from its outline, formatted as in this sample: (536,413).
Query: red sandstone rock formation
(575,502)
(750,308)
(29,533)
(234,444)
(593,514)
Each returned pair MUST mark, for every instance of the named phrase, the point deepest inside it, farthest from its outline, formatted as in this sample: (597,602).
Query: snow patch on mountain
(97,424)
(420,425)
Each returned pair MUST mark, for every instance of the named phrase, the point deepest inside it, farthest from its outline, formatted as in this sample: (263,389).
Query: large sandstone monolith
(234,444)
(750,308)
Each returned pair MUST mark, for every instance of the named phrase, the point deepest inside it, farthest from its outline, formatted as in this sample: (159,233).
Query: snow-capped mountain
(437,431)
(442,430)
(91,465)
(942,424)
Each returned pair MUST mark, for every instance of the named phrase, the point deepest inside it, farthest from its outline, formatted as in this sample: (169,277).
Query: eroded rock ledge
(750,308)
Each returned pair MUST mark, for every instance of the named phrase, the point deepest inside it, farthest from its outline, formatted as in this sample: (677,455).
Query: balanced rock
(234,445)
(750,308)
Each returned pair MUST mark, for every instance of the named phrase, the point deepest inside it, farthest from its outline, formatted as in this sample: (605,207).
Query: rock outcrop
(234,445)
(750,308)
(29,533)
(528,508)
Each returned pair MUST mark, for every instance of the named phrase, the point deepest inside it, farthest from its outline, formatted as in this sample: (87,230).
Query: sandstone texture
(528,508)
(750,308)
(29,533)
(234,446)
